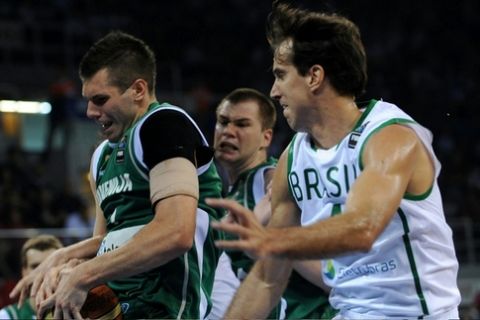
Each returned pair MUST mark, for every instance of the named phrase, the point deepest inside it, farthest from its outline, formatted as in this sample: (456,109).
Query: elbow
(183,242)
(365,243)
(366,234)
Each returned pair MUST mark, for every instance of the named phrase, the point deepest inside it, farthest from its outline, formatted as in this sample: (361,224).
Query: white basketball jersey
(411,270)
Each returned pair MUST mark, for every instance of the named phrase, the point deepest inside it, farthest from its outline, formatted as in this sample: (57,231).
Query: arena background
(422,55)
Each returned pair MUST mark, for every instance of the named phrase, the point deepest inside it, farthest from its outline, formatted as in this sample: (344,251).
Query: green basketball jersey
(182,287)
(304,300)
(14,312)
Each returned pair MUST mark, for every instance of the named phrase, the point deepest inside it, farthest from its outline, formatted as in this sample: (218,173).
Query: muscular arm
(150,247)
(390,160)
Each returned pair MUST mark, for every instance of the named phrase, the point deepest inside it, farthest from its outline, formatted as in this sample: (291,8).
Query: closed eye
(99,100)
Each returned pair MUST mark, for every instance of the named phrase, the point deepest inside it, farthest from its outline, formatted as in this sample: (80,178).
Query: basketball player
(152,243)
(357,187)
(243,133)
(34,251)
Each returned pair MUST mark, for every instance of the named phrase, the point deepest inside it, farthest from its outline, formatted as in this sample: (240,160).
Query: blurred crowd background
(422,56)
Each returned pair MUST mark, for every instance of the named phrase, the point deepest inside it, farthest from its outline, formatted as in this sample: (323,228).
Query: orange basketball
(101,303)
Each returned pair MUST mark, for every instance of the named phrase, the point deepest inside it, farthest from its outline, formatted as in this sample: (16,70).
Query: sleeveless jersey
(303,299)
(411,269)
(181,288)
(13,312)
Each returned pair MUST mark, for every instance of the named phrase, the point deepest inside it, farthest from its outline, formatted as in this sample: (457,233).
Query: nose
(228,129)
(92,111)
(274,93)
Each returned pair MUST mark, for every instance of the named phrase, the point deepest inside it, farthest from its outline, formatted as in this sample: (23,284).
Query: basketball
(101,304)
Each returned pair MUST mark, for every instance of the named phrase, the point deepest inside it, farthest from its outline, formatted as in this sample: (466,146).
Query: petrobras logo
(329,270)
(367,269)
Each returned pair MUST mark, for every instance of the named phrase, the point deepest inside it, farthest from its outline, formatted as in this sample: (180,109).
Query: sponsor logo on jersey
(125,306)
(367,269)
(329,270)
(353,140)
(120,155)
(355,135)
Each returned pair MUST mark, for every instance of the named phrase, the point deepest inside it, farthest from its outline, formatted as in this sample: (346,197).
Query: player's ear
(316,75)
(267,137)
(140,89)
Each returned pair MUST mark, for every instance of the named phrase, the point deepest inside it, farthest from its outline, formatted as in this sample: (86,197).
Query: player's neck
(234,170)
(337,118)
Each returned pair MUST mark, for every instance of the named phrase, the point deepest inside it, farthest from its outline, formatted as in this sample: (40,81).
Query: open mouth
(227,146)
(105,125)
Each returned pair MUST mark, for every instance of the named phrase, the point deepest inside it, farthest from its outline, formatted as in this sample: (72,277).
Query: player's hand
(68,299)
(29,285)
(52,278)
(243,223)
(22,289)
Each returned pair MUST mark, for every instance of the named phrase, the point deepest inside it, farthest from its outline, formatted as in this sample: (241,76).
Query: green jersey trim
(411,260)
(185,286)
(407,196)
(368,107)
(290,163)
(381,126)
(423,196)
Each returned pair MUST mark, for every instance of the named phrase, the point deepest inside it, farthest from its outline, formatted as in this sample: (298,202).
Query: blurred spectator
(62,100)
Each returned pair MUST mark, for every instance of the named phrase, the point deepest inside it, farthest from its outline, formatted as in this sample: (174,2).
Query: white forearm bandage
(176,176)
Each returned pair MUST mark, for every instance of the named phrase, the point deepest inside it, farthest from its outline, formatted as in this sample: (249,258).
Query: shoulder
(394,142)
(167,113)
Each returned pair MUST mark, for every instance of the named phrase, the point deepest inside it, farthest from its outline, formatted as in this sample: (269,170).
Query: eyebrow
(222,117)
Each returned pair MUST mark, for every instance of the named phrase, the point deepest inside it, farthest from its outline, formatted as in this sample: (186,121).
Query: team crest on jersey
(355,135)
(120,155)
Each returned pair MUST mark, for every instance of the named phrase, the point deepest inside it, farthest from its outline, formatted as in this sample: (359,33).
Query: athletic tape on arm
(175,176)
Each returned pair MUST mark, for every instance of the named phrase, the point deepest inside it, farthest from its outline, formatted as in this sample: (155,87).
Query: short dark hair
(327,39)
(124,56)
(266,107)
(42,242)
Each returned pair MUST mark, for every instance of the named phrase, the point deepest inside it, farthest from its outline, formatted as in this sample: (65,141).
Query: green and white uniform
(411,269)
(180,288)
(301,299)
(13,312)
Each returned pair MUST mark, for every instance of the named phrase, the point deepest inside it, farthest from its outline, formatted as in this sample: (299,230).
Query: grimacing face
(238,134)
(113,110)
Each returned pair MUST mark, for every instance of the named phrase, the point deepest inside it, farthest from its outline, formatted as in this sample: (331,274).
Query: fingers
(45,306)
(228,204)
(35,286)
(23,296)
(233,245)
(21,290)
(17,289)
(237,213)
(229,227)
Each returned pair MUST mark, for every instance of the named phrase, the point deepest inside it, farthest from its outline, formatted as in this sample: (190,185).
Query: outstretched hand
(52,279)
(29,285)
(68,298)
(253,237)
